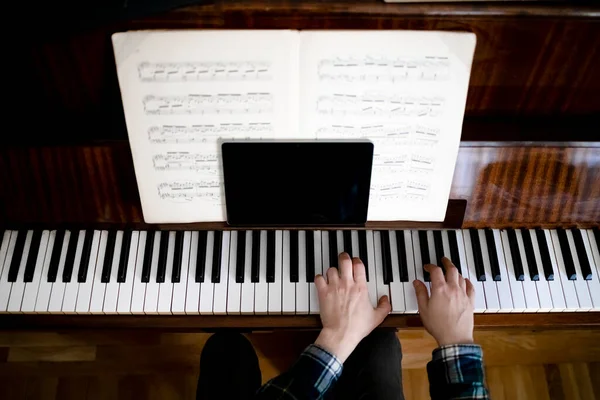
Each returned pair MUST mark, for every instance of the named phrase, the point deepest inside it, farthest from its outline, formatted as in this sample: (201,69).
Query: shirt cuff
(451,351)
(462,362)
(330,364)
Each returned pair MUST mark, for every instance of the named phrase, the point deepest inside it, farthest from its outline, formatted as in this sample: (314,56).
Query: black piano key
(439,247)
(70,259)
(124,258)
(13,271)
(402,260)
(216,266)
(534,273)
(386,257)
(241,257)
(147,265)
(545,255)
(424,248)
(270,256)
(348,242)
(584,262)
(201,256)
(566,253)
(333,250)
(493,254)
(85,256)
(55,257)
(177,255)
(34,250)
(310,257)
(477,255)
(362,250)
(294,273)
(513,244)
(453,242)
(163,251)
(108,256)
(255,272)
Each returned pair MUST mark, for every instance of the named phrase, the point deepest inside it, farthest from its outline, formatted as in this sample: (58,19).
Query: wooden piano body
(529,157)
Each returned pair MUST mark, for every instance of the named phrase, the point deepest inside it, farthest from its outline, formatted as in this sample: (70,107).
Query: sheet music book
(182,91)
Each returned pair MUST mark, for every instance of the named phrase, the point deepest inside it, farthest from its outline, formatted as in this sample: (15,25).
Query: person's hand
(346,311)
(448,313)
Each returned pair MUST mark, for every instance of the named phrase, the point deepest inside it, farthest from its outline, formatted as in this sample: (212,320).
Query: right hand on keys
(448,313)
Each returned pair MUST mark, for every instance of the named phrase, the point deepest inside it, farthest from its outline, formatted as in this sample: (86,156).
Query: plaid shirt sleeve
(456,372)
(315,372)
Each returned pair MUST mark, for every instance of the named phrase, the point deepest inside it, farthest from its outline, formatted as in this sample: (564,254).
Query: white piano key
(355,245)
(4,249)
(581,286)
(542,287)
(371,265)
(382,288)
(72,288)
(18,287)
(340,241)
(152,287)
(179,288)
(446,245)
(461,253)
(5,285)
(572,304)
(480,299)
(593,244)
(126,288)
(555,286)
(431,246)
(418,259)
(490,288)
(325,252)
(261,288)
(32,288)
(139,288)
(98,287)
(192,294)
(410,296)
(288,288)
(396,287)
(58,287)
(233,288)
(165,289)
(516,287)
(275,287)
(302,285)
(247,295)
(207,288)
(111,294)
(220,295)
(504,292)
(529,288)
(85,288)
(45,287)
(594,283)
(313,300)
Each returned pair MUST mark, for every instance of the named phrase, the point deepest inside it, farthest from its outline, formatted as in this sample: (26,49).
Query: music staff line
(381,105)
(183,160)
(208,133)
(221,103)
(404,189)
(205,71)
(190,190)
(384,133)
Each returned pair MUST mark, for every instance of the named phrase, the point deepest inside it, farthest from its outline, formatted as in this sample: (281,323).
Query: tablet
(302,183)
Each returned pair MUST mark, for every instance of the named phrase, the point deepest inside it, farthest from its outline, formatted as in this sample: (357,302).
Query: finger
(422,295)
(436,276)
(320,283)
(345,265)
(383,308)
(451,271)
(462,283)
(470,291)
(360,274)
(333,276)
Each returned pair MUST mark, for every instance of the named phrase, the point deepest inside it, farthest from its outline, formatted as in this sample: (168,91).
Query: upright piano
(522,223)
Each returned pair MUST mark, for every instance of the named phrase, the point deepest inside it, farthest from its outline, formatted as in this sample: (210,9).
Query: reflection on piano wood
(204,71)
(379,104)
(384,70)
(190,190)
(183,160)
(208,133)
(222,103)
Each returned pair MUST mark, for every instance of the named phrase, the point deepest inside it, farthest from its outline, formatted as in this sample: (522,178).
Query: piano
(75,252)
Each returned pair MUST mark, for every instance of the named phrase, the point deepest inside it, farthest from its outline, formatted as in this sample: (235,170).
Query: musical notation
(417,190)
(396,161)
(204,71)
(385,70)
(207,133)
(222,103)
(190,190)
(380,105)
(425,135)
(421,164)
(384,134)
(183,160)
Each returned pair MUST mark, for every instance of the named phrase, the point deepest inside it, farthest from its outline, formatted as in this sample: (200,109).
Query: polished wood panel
(531,60)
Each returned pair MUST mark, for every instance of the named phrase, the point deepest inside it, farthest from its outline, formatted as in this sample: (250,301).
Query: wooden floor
(563,364)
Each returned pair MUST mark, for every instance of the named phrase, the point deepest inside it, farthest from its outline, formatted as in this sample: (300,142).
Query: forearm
(311,377)
(456,372)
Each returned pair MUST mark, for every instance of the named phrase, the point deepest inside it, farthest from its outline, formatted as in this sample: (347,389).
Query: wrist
(449,341)
(338,344)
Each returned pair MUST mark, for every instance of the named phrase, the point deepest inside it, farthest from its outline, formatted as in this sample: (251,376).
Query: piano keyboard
(271,272)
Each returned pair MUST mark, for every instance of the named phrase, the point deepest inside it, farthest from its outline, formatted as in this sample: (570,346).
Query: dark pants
(229,369)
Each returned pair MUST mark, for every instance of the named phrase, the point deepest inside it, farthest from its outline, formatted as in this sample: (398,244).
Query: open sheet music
(182,91)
